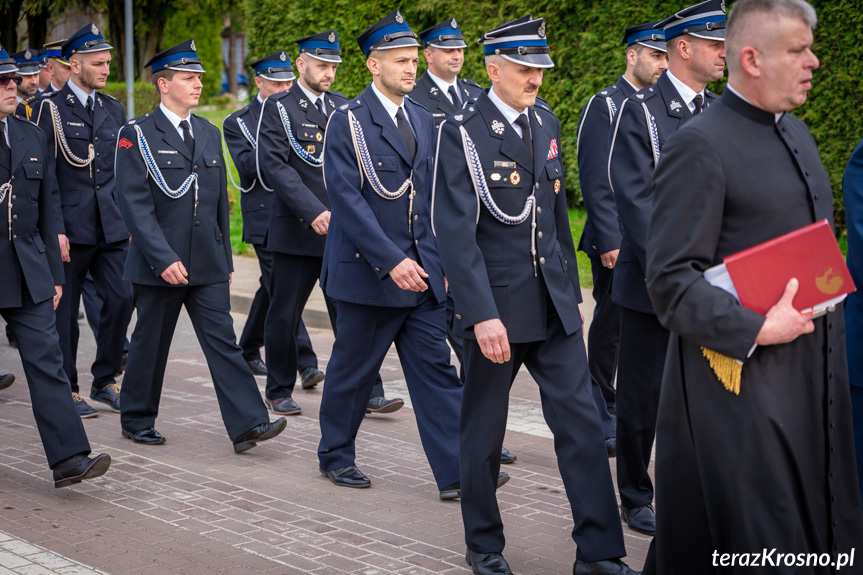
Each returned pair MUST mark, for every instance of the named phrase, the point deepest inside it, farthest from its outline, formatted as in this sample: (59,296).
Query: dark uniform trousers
(209,308)
(367,237)
(643,341)
(30,260)
(603,339)
(87,213)
(194,231)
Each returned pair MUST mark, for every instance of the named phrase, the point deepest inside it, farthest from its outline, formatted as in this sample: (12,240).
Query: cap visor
(186,68)
(532,60)
(324,57)
(447,44)
(8,68)
(656,45)
(710,34)
(405,42)
(28,72)
(96,48)
(278,76)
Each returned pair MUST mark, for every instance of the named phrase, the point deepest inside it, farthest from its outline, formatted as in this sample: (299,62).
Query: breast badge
(557,186)
(514,178)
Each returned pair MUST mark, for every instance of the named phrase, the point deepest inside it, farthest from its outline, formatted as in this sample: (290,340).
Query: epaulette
(280,95)
(20,119)
(139,119)
(709,93)
(29,99)
(205,119)
(408,97)
(608,91)
(471,82)
(644,94)
(337,94)
(463,115)
(540,103)
(353,104)
(110,97)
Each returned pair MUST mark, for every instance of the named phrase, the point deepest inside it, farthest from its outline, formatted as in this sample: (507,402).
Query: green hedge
(585,40)
(146,98)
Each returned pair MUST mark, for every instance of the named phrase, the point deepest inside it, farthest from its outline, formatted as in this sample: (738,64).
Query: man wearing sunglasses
(33,278)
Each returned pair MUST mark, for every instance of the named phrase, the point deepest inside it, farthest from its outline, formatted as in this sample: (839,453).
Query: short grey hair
(493,59)
(744,12)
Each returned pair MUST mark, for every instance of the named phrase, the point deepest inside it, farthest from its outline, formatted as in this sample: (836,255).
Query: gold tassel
(727,369)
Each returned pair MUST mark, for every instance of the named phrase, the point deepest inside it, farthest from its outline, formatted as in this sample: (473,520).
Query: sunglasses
(6,80)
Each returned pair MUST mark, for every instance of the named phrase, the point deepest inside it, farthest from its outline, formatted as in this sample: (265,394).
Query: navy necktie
(5,156)
(453,95)
(187,136)
(525,132)
(406,132)
(319,104)
(698,101)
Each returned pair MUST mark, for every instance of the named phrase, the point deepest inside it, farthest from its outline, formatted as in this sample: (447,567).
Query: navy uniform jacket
(635,147)
(164,229)
(370,235)
(601,232)
(33,252)
(255,203)
(82,200)
(27,105)
(488,263)
(298,188)
(428,93)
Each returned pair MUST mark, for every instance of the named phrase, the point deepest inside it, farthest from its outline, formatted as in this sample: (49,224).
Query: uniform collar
(442,84)
(309,94)
(509,113)
(80,93)
(390,106)
(175,119)
(634,89)
(685,92)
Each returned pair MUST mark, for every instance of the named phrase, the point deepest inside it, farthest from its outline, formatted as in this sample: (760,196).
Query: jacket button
(542,260)
(99,171)
(194,168)
(15,218)
(416,217)
(458,316)
(538,210)
(357,255)
(416,242)
(380,164)
(169,163)
(377,269)
(14,197)
(15,237)
(96,139)
(214,162)
(539,235)
(198,223)
(302,220)
(536,185)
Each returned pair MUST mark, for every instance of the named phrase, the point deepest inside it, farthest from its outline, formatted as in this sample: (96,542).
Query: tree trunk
(231,64)
(10,11)
(117,33)
(37,28)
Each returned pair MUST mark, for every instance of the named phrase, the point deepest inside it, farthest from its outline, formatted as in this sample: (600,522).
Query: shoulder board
(139,119)
(29,99)
(109,96)
(280,95)
(408,97)
(462,116)
(709,93)
(471,82)
(542,104)
(353,104)
(205,119)
(608,91)
(22,120)
(644,94)
(339,94)
(50,94)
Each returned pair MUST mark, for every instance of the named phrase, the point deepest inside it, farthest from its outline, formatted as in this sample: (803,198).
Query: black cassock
(774,466)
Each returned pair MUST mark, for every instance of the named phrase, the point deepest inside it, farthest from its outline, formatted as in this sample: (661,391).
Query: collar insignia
(538,119)
(304,104)
(674,105)
(433,90)
(497,127)
(331,103)
(70,98)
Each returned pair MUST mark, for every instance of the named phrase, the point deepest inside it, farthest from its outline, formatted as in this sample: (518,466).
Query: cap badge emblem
(675,105)
(283,56)
(538,119)
(514,178)
(94,30)
(399,18)
(454,24)
(495,177)
(722,5)
(557,186)
(27,55)
(541,30)
(332,37)
(192,46)
(497,127)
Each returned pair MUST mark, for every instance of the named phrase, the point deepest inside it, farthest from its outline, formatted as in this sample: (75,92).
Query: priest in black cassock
(765,462)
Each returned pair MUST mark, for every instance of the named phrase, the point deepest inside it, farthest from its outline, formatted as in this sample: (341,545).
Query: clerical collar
(685,92)
(742,97)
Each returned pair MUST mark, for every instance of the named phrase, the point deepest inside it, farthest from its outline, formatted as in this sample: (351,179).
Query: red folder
(809,254)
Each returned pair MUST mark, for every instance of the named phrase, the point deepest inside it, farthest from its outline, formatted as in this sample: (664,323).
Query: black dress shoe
(347,477)
(84,410)
(641,519)
(79,467)
(611,446)
(258,433)
(257,366)
(7,380)
(453,491)
(606,567)
(487,563)
(109,395)
(148,436)
(507,457)
(310,377)
(383,405)
(284,406)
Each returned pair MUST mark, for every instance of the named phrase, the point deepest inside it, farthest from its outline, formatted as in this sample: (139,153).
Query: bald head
(755,23)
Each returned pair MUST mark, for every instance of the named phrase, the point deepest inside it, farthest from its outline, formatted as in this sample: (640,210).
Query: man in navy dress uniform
(600,240)
(499,211)
(173,193)
(28,68)
(381,263)
(272,75)
(82,126)
(440,89)
(695,39)
(291,167)
(57,64)
(32,285)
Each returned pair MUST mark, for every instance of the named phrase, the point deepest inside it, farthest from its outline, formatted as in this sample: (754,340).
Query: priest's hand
(784,323)
(492,339)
